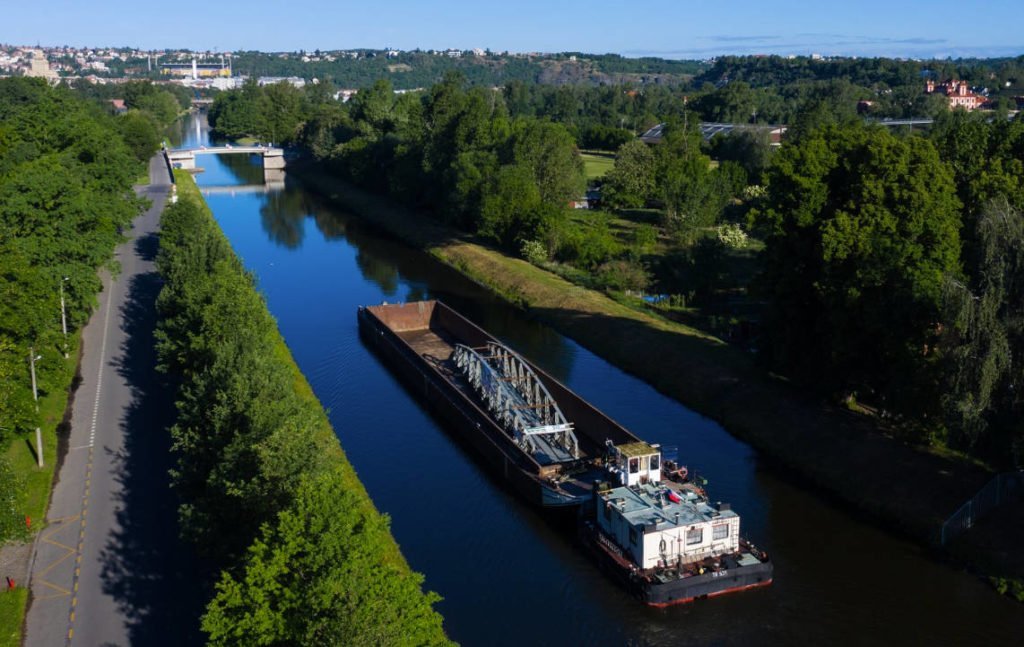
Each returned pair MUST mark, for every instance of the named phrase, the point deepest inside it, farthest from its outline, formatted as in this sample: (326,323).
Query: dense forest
(875,268)
(267,491)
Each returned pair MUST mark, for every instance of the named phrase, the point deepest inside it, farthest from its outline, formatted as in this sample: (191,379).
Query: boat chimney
(677,518)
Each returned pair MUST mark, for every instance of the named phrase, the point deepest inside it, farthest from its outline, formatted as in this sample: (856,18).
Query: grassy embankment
(37,481)
(843,453)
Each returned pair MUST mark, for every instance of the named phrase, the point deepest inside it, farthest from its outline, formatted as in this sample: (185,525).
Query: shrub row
(267,491)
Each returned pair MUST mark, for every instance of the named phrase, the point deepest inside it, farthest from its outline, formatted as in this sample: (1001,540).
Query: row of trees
(266,489)
(456,152)
(66,171)
(891,274)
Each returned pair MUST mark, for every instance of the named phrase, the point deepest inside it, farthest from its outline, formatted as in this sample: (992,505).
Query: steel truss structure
(519,400)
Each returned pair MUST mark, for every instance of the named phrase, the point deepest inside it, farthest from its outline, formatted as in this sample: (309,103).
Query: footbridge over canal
(185,158)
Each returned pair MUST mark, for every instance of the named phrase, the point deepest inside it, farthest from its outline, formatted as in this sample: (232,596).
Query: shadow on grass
(156,580)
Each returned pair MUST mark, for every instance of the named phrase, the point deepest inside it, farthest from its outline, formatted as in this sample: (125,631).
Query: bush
(623,275)
(732,235)
(535,252)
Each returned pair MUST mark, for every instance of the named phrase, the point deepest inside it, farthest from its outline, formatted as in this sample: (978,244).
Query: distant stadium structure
(196,70)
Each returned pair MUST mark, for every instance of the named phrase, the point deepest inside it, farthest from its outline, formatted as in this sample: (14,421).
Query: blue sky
(680,29)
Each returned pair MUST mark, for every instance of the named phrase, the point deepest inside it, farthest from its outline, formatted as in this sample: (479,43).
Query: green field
(595,165)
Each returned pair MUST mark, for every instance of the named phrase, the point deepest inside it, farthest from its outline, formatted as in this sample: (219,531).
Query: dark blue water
(507,576)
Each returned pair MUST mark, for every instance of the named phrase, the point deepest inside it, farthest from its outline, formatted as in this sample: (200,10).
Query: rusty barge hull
(416,340)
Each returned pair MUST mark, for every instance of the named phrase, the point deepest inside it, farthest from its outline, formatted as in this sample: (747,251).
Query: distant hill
(417,69)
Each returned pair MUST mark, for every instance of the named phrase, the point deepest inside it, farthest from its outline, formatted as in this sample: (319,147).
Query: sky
(679,29)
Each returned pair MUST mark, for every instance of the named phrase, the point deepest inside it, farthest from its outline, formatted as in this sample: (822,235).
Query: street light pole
(64,317)
(32,370)
(35,396)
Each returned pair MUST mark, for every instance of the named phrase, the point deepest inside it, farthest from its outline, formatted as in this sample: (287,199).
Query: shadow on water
(156,580)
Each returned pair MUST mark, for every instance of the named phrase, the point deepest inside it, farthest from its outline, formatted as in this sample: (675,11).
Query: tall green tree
(863,228)
(984,338)
(631,182)
(315,577)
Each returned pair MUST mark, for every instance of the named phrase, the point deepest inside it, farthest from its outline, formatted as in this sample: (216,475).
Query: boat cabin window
(634,465)
(720,531)
(694,536)
(655,461)
(632,536)
(608,511)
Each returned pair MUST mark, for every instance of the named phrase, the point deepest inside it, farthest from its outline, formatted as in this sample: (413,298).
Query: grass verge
(12,611)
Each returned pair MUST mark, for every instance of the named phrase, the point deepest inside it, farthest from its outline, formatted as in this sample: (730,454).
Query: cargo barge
(642,518)
(463,374)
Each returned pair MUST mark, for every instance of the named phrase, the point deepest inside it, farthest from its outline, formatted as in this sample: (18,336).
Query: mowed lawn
(595,165)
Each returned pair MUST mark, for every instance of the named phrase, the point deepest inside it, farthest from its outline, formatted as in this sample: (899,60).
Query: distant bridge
(273,158)
(268,187)
(904,122)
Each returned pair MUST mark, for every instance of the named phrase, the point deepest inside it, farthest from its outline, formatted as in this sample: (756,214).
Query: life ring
(682,472)
(662,547)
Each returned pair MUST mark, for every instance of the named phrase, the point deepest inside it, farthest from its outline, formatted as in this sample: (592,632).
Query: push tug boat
(660,536)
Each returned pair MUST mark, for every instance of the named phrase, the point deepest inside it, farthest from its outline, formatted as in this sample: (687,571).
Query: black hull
(466,422)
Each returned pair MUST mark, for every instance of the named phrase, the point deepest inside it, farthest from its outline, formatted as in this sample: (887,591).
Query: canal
(506,575)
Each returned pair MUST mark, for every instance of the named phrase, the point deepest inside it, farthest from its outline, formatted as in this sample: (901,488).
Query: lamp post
(64,317)
(32,357)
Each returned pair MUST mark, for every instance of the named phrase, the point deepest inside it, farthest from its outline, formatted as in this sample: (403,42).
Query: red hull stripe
(662,605)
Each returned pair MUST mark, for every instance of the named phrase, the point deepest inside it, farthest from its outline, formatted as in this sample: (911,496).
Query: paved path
(109,569)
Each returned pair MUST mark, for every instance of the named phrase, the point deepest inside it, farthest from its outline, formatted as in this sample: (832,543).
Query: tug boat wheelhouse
(641,516)
(662,537)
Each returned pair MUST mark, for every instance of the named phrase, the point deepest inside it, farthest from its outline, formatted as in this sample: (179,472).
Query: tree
(863,228)
(318,576)
(549,151)
(748,147)
(984,339)
(630,183)
(511,210)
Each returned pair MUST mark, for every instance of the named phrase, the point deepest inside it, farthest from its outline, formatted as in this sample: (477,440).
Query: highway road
(109,568)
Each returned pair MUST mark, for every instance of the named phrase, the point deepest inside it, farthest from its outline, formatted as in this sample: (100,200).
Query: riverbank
(840,452)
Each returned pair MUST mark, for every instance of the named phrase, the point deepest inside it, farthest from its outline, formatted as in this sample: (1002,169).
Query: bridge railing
(1005,487)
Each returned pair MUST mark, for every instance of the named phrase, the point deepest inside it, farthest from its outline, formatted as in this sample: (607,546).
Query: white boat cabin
(635,463)
(660,526)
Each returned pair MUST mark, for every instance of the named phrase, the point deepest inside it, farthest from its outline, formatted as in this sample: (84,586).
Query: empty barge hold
(640,516)
(544,440)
